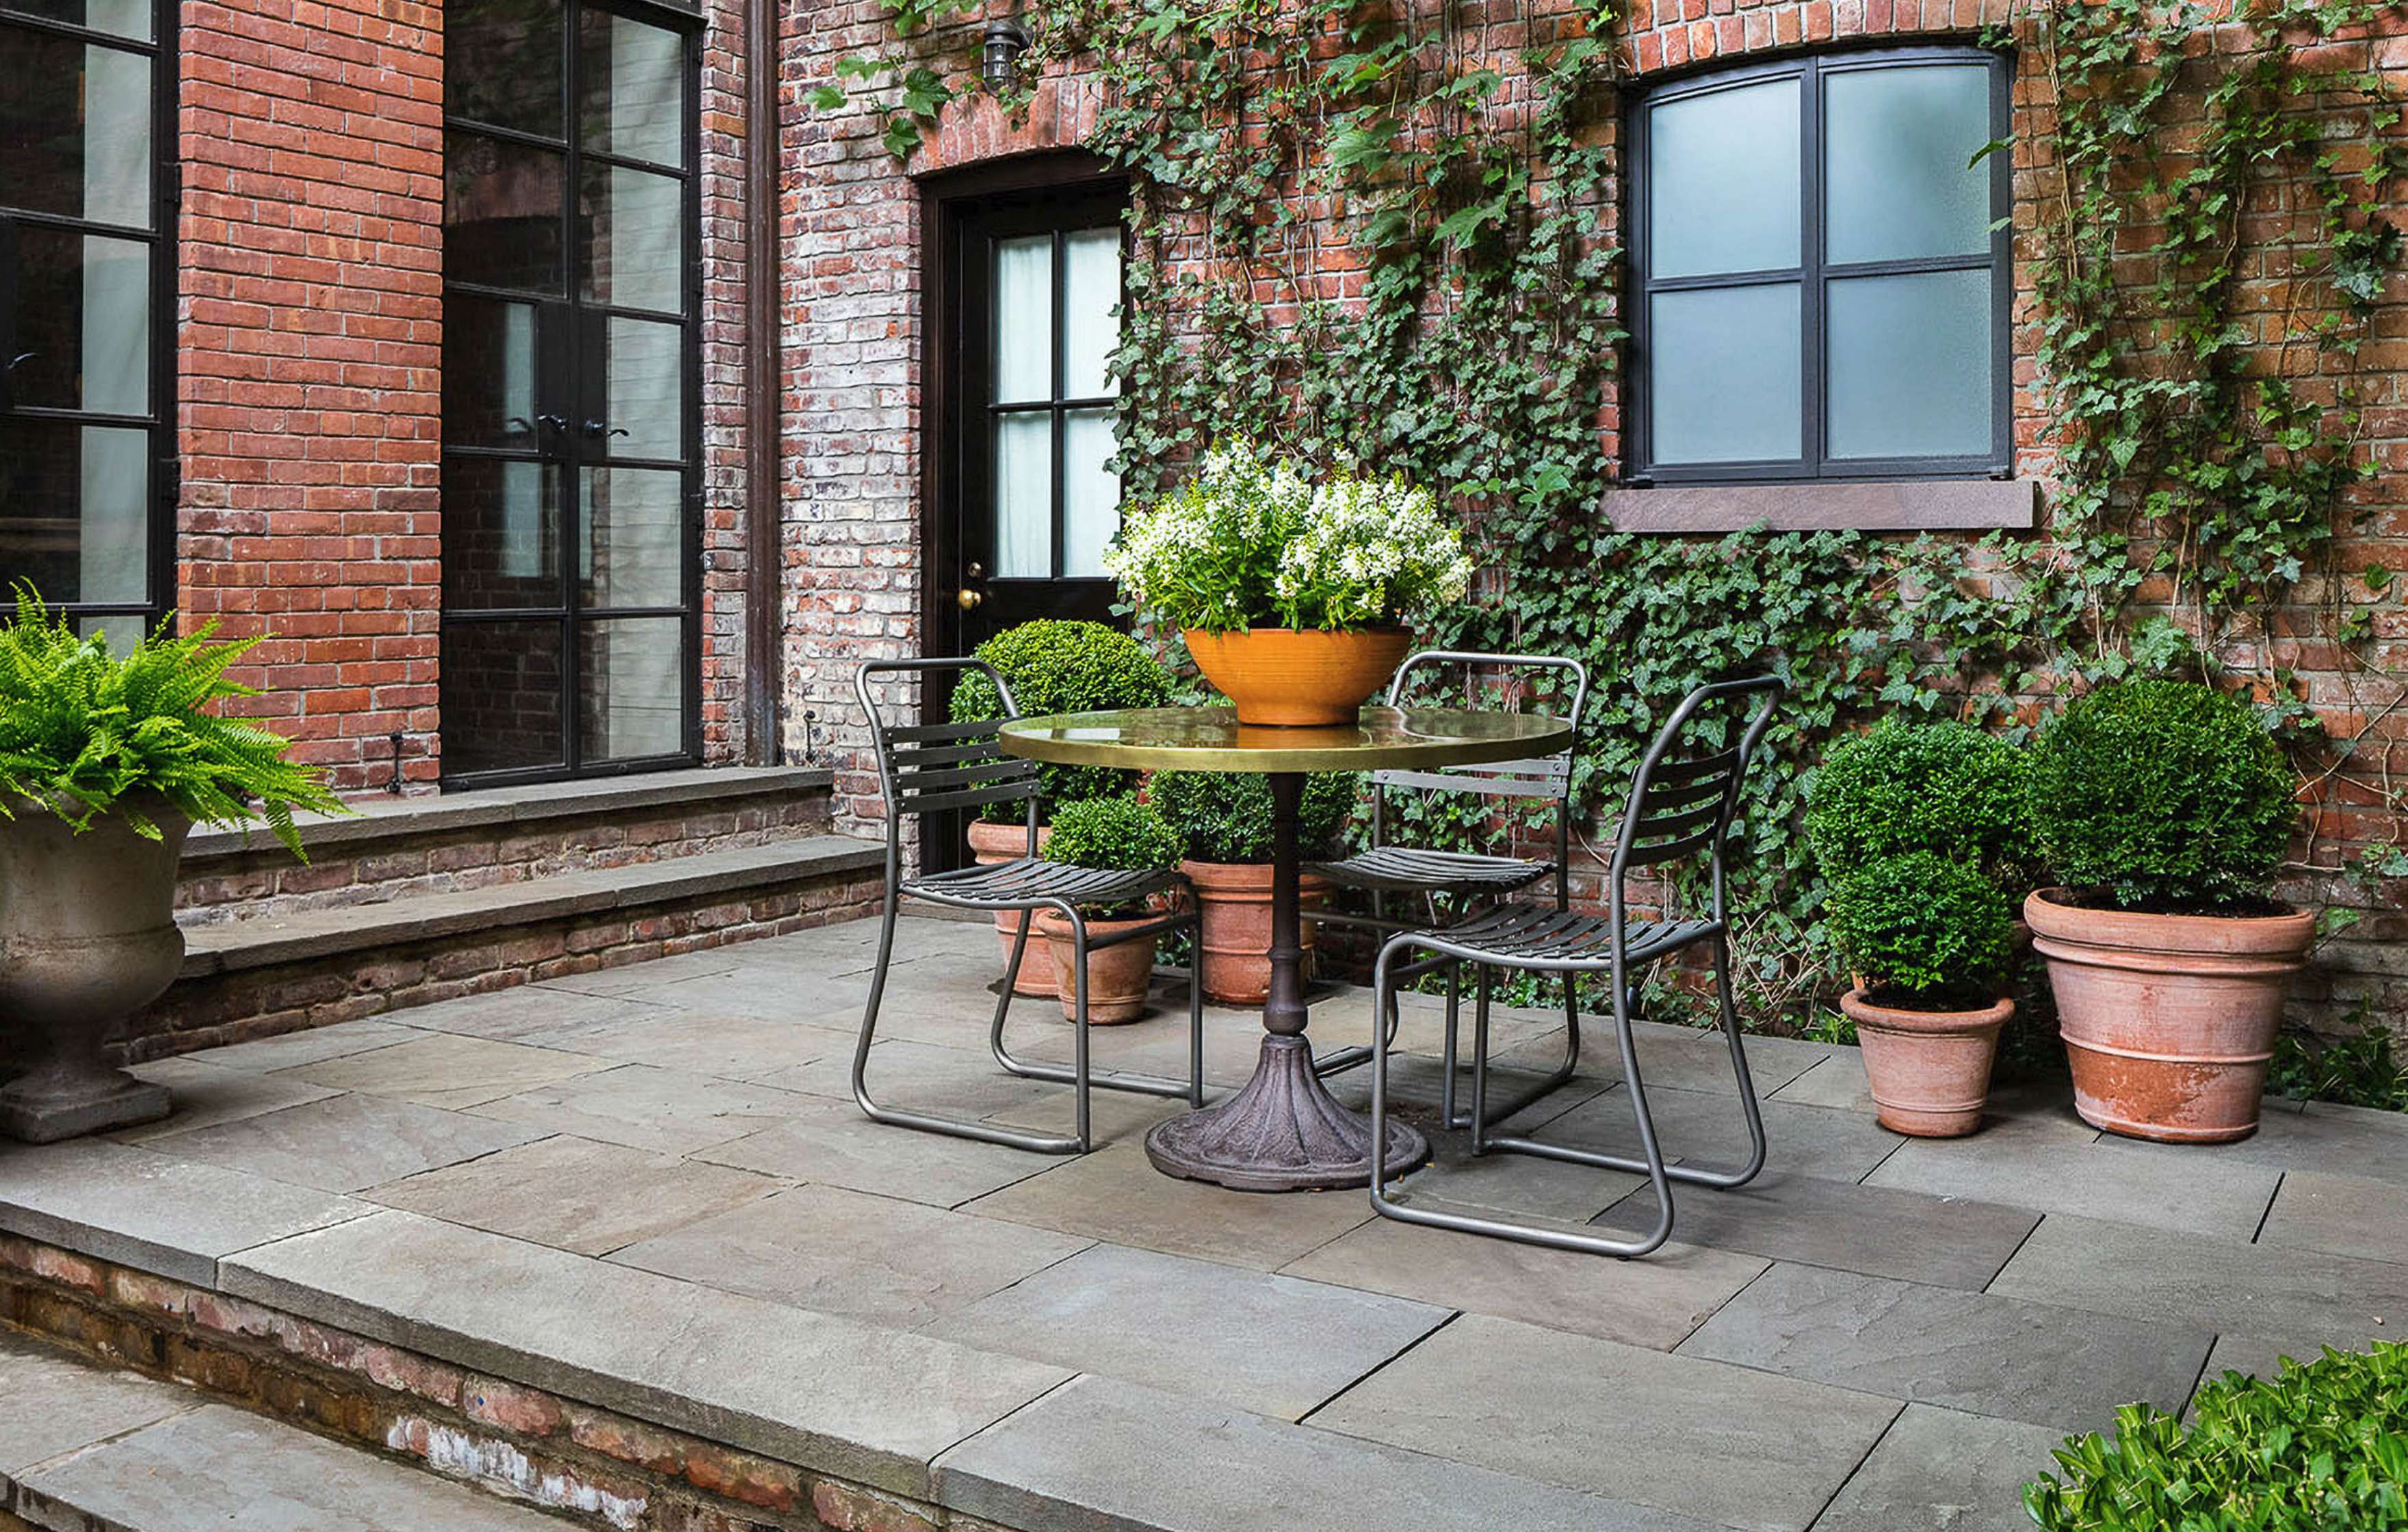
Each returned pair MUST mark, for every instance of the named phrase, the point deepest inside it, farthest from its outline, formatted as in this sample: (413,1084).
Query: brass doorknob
(967,600)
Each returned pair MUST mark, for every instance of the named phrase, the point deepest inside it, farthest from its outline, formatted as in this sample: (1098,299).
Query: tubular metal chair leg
(1190,1090)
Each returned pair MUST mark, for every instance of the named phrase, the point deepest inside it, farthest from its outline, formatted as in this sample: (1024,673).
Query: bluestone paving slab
(832,1143)
(217,1467)
(1946,1241)
(1116,1193)
(1654,1302)
(1707,1129)
(1274,1345)
(2338,1141)
(52,1403)
(151,1211)
(346,1143)
(667,1111)
(2107,1179)
(1112,1116)
(1517,1186)
(1101,1454)
(703,1042)
(2260,1356)
(440,1070)
(575,1194)
(2305,1296)
(507,1015)
(208,1094)
(767,994)
(1943,1471)
(1685,1058)
(310,1045)
(1726,1443)
(860,1401)
(962,1081)
(872,1258)
(1998,1356)
(1838,1082)
(2343,1215)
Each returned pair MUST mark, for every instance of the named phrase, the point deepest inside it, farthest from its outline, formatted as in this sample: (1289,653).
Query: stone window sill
(1912,505)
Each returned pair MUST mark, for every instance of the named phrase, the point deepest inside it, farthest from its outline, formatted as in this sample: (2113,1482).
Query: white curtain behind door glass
(1091,492)
(1024,320)
(1091,285)
(1023,373)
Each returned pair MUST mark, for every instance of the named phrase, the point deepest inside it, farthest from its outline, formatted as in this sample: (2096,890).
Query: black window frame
(1814,274)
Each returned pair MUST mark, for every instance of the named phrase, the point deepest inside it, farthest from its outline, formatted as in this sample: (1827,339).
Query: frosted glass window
(1024,319)
(1909,359)
(1023,495)
(116,326)
(636,701)
(1091,331)
(116,137)
(1722,181)
(633,238)
(632,537)
(520,554)
(114,546)
(647,389)
(1897,178)
(634,89)
(1091,492)
(1725,374)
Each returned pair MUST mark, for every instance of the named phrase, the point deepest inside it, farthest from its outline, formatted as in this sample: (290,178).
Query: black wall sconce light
(999,63)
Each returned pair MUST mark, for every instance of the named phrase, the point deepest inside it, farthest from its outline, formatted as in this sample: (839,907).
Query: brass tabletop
(1213,739)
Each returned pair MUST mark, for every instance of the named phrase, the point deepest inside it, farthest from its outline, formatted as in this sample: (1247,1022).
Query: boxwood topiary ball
(1055,667)
(1942,787)
(1923,928)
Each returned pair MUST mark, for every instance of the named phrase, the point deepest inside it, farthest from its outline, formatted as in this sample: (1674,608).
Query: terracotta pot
(2168,1020)
(1299,677)
(1235,901)
(1118,977)
(994,843)
(1929,1069)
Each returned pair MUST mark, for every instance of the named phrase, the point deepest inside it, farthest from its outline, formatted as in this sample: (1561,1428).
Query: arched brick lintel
(1682,34)
(979,131)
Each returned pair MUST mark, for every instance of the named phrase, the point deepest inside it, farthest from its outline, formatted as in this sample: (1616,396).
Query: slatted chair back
(1686,789)
(1542,677)
(925,768)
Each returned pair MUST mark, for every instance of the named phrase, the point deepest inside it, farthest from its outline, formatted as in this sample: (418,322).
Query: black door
(571,507)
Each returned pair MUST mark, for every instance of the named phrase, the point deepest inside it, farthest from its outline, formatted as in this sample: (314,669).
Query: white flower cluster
(1369,550)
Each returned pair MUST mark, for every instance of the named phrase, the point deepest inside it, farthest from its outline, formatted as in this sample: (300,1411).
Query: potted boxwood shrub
(1124,835)
(1223,823)
(2164,807)
(1930,939)
(104,765)
(1292,598)
(1054,667)
(1943,787)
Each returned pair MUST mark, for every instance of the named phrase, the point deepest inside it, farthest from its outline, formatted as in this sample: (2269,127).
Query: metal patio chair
(925,768)
(1680,807)
(1465,880)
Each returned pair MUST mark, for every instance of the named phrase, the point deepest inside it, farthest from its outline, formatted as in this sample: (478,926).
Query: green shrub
(80,730)
(1225,816)
(1064,668)
(1121,834)
(1946,788)
(2357,1068)
(1924,930)
(2162,796)
(2323,1446)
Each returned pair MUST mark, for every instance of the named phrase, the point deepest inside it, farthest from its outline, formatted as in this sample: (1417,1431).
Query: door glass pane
(1090,273)
(1722,181)
(1898,184)
(124,18)
(489,372)
(75,128)
(643,387)
(83,323)
(632,539)
(634,703)
(501,534)
(502,62)
(1023,495)
(502,211)
(1024,319)
(73,508)
(1724,374)
(633,238)
(502,688)
(631,97)
(1909,361)
(1091,492)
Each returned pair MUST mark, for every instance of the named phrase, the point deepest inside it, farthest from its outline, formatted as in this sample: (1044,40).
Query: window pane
(501,534)
(633,89)
(1091,492)
(1724,374)
(503,204)
(502,62)
(1023,495)
(643,384)
(75,128)
(501,695)
(633,702)
(632,538)
(1909,361)
(488,373)
(74,514)
(83,323)
(1024,319)
(634,235)
(124,18)
(1091,261)
(1722,181)
(1897,178)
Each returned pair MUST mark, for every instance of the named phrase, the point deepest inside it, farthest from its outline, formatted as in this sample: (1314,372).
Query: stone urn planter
(2168,1020)
(87,937)
(1929,1070)
(1234,901)
(994,843)
(1299,677)
(1119,978)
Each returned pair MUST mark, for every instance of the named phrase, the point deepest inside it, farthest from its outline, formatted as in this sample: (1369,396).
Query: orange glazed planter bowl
(1929,1070)
(2168,1020)
(1299,677)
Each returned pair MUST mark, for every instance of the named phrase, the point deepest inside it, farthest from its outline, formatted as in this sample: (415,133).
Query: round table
(1284,1132)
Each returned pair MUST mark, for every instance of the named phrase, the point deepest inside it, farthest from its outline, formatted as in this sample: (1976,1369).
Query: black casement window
(1822,277)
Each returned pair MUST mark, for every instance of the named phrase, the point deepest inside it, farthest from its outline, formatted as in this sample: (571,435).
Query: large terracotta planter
(994,843)
(87,937)
(1299,677)
(1234,900)
(1929,1070)
(2168,1020)
(1119,978)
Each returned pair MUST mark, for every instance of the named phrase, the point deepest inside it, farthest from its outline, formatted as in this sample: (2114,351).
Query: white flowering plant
(1249,541)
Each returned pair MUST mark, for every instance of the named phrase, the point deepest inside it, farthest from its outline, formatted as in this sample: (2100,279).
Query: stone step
(86,1449)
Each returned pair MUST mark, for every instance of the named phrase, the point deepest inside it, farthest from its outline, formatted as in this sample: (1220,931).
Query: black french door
(571,486)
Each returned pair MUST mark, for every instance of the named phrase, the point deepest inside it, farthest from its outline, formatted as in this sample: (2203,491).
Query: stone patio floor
(1879,1333)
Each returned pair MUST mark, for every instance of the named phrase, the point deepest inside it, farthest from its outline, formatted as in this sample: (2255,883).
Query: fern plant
(81,731)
